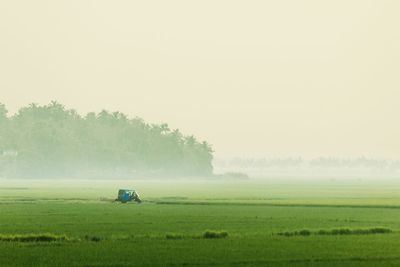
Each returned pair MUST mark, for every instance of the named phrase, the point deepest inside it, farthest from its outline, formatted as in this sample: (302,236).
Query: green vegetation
(376,230)
(215,234)
(301,232)
(342,231)
(51,141)
(46,237)
(100,233)
(92,238)
(174,236)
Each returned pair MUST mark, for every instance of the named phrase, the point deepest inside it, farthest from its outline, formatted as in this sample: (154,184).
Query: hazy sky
(254,78)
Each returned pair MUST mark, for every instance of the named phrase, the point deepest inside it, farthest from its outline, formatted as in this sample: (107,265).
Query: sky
(281,78)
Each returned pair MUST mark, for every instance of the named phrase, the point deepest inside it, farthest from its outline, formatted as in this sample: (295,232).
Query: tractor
(126,195)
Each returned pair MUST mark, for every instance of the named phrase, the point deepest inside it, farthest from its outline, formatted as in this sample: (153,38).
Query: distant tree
(3,127)
(3,112)
(52,140)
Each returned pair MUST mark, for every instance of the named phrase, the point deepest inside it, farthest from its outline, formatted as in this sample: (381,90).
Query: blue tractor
(126,195)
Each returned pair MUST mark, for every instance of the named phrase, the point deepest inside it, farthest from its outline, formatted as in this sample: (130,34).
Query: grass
(342,231)
(46,237)
(357,227)
(92,238)
(174,236)
(375,230)
(213,234)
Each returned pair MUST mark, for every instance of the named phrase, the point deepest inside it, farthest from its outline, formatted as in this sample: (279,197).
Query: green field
(167,228)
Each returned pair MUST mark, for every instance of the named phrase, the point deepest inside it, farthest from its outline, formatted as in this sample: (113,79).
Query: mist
(51,141)
(265,79)
(199,133)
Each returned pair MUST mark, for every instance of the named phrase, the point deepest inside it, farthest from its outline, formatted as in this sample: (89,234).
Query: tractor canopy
(126,195)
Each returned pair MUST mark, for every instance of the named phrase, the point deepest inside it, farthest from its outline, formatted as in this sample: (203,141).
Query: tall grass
(215,234)
(93,238)
(376,230)
(341,231)
(208,234)
(174,236)
(45,237)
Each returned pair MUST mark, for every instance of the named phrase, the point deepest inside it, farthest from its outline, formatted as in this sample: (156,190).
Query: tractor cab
(126,195)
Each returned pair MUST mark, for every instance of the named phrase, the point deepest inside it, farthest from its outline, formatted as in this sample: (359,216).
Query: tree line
(320,162)
(51,140)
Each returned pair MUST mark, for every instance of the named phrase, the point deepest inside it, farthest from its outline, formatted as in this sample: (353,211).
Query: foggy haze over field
(272,79)
(200,133)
